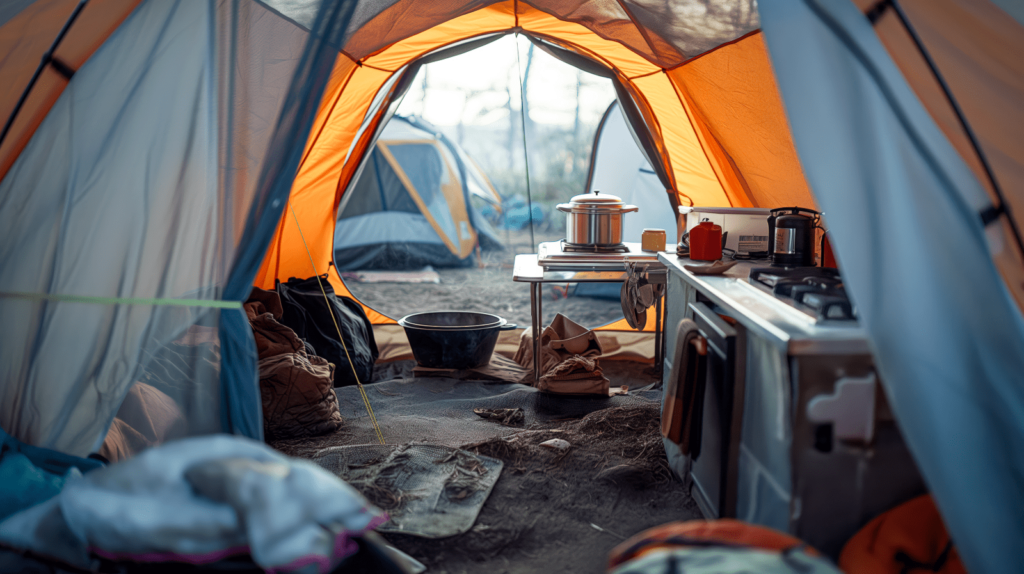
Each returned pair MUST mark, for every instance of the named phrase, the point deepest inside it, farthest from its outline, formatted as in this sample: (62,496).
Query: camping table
(528,270)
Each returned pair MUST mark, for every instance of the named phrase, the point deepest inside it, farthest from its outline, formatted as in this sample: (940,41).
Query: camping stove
(591,248)
(794,430)
(562,255)
(817,291)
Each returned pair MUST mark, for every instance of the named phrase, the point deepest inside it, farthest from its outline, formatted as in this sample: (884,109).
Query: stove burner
(819,289)
(567,247)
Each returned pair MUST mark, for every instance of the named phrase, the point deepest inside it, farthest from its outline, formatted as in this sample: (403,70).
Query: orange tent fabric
(25,39)
(720,145)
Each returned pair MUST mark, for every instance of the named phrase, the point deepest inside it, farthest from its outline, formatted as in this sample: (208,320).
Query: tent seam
(715,49)
(363,64)
(664,150)
(603,37)
(641,29)
(659,70)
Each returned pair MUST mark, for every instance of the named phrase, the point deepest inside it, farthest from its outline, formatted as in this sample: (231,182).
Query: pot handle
(508,327)
(629,209)
(564,207)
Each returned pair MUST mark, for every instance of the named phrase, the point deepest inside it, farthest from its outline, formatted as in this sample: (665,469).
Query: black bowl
(453,339)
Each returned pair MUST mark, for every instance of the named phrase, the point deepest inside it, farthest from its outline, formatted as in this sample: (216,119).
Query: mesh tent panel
(140,184)
(24,40)
(696,26)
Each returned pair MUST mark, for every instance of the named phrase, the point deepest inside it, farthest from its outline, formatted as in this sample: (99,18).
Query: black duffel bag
(306,312)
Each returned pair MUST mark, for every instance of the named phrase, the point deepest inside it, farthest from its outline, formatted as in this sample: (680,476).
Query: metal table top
(527,269)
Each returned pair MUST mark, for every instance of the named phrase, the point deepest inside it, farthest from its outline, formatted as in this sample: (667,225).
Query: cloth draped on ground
(198,501)
(568,358)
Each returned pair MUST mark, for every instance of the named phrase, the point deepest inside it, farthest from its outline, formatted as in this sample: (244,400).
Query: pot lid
(596,202)
(596,199)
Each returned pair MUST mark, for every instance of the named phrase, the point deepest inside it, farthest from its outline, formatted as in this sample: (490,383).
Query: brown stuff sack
(261,301)
(147,417)
(908,538)
(273,338)
(298,397)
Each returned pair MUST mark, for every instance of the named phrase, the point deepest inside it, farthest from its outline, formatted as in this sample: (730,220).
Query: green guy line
(214,303)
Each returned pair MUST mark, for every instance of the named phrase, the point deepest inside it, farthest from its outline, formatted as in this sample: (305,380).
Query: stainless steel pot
(594,219)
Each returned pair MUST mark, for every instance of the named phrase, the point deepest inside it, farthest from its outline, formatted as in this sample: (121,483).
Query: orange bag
(722,532)
(909,538)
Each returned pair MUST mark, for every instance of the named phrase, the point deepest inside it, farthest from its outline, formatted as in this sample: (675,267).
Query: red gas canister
(706,242)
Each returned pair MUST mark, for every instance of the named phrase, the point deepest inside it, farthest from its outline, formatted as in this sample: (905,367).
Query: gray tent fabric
(12,8)
(132,224)
(619,167)
(946,335)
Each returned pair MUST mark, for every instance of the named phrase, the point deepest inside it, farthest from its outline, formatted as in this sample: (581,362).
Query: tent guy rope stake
(359,384)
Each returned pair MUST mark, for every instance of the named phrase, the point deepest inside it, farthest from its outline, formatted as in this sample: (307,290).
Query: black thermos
(792,237)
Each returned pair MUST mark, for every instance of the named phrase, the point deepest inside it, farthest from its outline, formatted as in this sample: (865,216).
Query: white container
(747,226)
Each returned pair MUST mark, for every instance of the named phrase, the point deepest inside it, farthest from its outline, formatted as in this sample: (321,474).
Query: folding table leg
(536,318)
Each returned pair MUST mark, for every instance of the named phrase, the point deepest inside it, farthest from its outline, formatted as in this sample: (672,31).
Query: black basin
(453,339)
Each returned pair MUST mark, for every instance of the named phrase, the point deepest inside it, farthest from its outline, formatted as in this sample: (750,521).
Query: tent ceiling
(664,32)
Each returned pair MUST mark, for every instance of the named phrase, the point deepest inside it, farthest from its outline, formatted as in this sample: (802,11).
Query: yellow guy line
(362,391)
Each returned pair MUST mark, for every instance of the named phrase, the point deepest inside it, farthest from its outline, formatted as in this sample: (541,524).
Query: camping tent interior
(411,205)
(167,156)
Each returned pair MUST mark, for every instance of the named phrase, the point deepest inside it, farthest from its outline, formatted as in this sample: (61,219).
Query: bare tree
(576,116)
(528,123)
(424,84)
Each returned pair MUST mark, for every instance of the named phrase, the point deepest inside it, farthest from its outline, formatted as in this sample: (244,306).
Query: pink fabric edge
(344,547)
(172,556)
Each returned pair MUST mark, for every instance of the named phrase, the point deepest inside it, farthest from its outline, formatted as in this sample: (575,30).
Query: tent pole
(48,58)
(1003,208)
(526,153)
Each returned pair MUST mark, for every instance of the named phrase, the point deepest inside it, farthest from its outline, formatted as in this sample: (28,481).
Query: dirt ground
(551,511)
(488,289)
(564,512)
